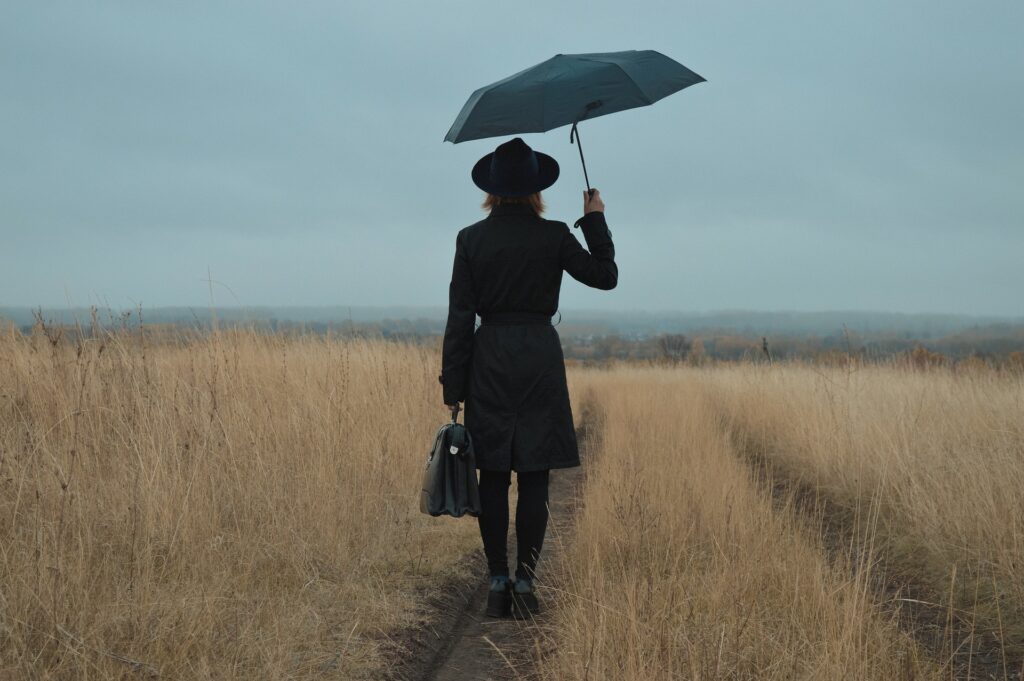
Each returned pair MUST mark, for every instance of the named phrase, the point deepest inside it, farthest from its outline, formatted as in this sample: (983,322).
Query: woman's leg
(493,519)
(531,520)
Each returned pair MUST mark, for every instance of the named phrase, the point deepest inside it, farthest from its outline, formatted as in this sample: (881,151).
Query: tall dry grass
(930,463)
(242,505)
(238,506)
(681,567)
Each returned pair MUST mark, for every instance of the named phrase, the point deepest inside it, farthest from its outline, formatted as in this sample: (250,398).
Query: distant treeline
(625,323)
(996,344)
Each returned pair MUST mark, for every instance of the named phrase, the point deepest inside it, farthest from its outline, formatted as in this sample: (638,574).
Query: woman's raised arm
(596,268)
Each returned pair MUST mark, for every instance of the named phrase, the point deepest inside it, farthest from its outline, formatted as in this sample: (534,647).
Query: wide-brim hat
(514,169)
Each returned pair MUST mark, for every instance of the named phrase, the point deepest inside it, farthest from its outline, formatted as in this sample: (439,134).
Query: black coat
(511,376)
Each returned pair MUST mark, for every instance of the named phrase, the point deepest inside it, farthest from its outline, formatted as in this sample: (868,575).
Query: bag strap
(458,442)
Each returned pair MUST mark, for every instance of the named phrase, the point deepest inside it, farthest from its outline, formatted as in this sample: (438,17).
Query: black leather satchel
(449,481)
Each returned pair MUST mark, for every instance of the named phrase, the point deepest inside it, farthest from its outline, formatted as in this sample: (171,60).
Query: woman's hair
(535,201)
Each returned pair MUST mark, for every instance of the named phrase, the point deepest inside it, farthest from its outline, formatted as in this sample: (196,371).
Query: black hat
(514,169)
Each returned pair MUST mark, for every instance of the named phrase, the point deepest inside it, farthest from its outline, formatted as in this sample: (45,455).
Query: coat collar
(512,209)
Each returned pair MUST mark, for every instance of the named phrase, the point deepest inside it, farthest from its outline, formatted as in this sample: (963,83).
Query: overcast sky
(854,155)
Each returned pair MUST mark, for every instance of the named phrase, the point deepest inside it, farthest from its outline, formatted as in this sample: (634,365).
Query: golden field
(696,559)
(228,507)
(238,505)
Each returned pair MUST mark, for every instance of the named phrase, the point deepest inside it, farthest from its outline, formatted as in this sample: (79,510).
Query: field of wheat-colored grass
(681,568)
(237,506)
(930,464)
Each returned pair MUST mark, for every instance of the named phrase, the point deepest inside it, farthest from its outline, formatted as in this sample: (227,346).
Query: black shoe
(524,600)
(499,597)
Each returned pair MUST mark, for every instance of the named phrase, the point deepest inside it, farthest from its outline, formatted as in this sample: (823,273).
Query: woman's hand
(454,409)
(593,203)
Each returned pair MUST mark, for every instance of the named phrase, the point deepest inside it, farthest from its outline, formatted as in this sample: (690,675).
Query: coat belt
(506,318)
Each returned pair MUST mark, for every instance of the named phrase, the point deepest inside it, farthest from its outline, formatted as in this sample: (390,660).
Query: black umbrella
(567,89)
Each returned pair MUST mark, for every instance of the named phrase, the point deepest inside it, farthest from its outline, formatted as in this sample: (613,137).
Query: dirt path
(463,644)
(482,648)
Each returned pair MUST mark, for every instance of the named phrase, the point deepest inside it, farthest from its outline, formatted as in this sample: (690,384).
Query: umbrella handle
(574,137)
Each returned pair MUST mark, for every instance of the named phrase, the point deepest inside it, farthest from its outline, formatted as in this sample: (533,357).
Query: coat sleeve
(596,268)
(457,348)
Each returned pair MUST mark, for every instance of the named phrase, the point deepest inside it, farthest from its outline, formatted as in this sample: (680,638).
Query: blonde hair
(535,201)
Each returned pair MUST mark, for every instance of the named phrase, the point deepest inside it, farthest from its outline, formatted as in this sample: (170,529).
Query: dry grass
(242,506)
(232,507)
(682,568)
(931,463)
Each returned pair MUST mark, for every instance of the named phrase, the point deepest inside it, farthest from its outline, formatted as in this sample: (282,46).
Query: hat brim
(547,174)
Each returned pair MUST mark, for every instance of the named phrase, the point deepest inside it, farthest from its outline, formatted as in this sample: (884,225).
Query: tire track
(951,637)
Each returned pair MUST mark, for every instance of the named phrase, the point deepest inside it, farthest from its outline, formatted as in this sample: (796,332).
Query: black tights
(531,519)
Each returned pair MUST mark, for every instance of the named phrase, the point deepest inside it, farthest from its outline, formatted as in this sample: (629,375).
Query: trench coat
(510,371)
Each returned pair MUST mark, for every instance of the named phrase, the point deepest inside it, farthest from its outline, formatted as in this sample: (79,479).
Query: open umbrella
(567,89)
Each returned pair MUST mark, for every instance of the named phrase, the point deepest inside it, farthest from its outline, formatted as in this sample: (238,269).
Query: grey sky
(862,155)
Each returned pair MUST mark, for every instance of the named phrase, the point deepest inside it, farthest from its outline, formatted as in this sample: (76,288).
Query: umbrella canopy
(567,89)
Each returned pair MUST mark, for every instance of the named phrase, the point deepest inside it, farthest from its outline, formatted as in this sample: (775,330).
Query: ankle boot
(499,597)
(524,600)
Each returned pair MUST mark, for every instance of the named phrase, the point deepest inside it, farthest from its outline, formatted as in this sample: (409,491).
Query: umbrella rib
(628,75)
(544,97)
(646,97)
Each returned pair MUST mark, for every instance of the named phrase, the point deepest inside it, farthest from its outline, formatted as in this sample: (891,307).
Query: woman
(510,372)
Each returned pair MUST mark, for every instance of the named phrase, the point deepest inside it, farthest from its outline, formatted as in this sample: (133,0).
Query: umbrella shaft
(574,135)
